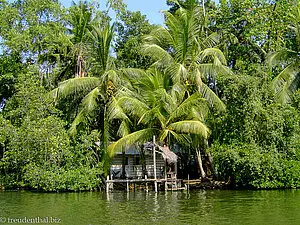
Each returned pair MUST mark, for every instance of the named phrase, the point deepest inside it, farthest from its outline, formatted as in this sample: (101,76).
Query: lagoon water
(197,207)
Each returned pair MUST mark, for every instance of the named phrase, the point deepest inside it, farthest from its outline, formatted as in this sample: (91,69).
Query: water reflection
(196,207)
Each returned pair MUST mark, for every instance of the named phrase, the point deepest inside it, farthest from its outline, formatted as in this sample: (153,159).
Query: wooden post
(176,182)
(172,182)
(166,177)
(127,185)
(188,186)
(146,183)
(154,164)
(107,184)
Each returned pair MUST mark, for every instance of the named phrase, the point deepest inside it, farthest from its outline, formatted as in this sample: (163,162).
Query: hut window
(126,161)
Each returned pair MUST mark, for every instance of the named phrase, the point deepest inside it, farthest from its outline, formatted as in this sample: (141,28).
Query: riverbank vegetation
(218,81)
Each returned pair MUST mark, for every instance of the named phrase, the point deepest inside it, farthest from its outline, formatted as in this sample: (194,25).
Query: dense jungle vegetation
(78,84)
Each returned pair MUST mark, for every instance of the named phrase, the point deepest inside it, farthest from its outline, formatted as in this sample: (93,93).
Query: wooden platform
(169,184)
(132,180)
(196,181)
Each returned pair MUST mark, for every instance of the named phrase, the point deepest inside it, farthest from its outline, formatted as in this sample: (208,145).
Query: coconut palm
(94,91)
(184,48)
(187,51)
(72,57)
(288,80)
(170,100)
(155,105)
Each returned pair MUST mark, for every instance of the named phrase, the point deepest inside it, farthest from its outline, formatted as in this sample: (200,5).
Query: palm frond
(177,72)
(184,139)
(210,69)
(156,52)
(80,118)
(87,108)
(213,100)
(190,127)
(133,106)
(199,113)
(159,36)
(280,56)
(112,75)
(140,136)
(123,129)
(133,73)
(151,116)
(115,111)
(195,100)
(77,85)
(282,83)
(163,134)
(101,37)
(178,92)
(53,94)
(211,41)
(90,101)
(214,54)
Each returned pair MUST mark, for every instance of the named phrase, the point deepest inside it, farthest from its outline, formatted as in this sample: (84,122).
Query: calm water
(200,207)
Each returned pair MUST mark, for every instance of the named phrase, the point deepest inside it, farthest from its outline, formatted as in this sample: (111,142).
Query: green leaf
(140,136)
(191,127)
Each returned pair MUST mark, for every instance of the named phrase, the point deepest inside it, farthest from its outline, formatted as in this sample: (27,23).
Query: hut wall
(116,167)
(136,171)
(159,166)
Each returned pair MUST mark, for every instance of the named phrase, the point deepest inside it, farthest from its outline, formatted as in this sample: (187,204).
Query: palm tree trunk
(199,159)
(210,159)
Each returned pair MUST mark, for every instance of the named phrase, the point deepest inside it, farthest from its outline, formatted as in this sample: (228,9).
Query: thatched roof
(167,154)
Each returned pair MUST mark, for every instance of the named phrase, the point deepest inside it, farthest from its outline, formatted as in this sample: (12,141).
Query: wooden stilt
(146,184)
(176,187)
(154,165)
(107,184)
(166,177)
(188,186)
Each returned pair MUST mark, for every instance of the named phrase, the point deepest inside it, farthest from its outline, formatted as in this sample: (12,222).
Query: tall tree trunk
(210,159)
(199,159)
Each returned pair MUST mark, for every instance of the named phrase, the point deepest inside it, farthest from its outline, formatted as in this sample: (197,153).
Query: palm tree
(93,91)
(187,52)
(170,100)
(154,105)
(72,57)
(288,80)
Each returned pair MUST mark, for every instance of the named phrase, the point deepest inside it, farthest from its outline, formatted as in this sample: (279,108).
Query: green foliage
(245,96)
(222,75)
(258,143)
(287,81)
(10,65)
(130,31)
(29,101)
(247,165)
(32,27)
(79,178)
(36,151)
(258,27)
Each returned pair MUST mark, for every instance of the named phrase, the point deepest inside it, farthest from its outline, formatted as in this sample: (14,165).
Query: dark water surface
(199,207)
